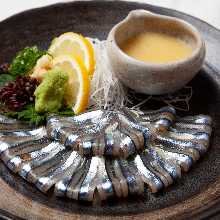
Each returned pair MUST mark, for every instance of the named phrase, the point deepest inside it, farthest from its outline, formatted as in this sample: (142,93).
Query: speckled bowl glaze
(152,78)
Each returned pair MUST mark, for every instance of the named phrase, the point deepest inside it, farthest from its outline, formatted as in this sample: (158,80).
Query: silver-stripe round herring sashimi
(101,154)
(110,124)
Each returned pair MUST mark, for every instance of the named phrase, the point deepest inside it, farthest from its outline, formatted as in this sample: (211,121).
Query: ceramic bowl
(152,78)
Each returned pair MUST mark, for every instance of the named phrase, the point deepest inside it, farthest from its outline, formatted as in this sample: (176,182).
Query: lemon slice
(78,88)
(74,45)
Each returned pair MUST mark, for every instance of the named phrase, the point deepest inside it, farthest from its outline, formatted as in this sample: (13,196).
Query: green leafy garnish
(67,112)
(4,78)
(29,114)
(25,60)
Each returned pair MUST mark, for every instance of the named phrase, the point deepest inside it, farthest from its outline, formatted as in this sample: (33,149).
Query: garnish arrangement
(63,80)
(38,83)
(66,123)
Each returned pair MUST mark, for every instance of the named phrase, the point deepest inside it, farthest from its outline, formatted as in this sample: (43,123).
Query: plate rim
(60,4)
(192,205)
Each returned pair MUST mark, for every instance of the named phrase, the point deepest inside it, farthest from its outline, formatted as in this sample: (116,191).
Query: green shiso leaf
(4,78)
(29,114)
(68,112)
(25,60)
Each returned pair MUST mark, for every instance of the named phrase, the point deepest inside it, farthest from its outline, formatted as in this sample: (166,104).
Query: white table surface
(207,10)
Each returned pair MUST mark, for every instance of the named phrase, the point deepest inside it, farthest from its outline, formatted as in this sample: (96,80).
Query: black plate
(95,19)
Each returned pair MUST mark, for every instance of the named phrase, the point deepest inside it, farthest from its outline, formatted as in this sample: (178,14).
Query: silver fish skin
(62,187)
(194,130)
(153,181)
(184,161)
(50,178)
(8,124)
(81,139)
(137,137)
(16,137)
(88,121)
(191,136)
(118,180)
(199,140)
(179,146)
(20,142)
(101,154)
(39,157)
(40,168)
(96,182)
(8,135)
(82,132)
(199,147)
(145,131)
(162,118)
(74,185)
(156,168)
(172,170)
(194,124)
(15,159)
(134,180)
(118,144)
(197,119)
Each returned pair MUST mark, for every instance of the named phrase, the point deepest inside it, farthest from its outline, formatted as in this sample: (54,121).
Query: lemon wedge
(78,88)
(74,45)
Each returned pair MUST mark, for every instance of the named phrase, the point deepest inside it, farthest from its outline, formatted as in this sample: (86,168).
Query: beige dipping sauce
(156,47)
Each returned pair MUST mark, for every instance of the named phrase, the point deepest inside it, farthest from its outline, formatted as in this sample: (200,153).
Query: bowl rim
(200,49)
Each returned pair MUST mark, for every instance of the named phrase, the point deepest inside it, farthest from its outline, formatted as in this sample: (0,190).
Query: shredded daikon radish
(106,90)
(109,93)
